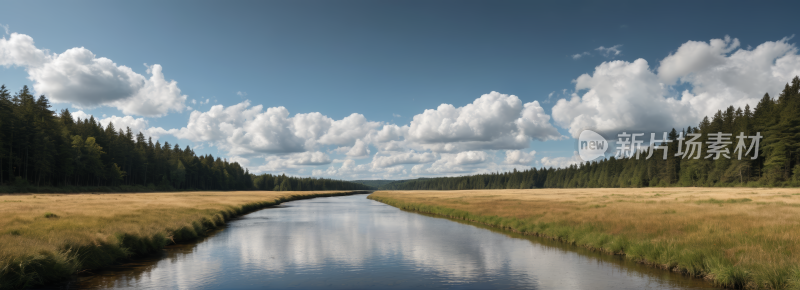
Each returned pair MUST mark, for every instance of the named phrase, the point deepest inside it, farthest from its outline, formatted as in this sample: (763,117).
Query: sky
(396,89)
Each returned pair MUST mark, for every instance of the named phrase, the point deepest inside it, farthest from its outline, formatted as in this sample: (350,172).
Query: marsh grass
(48,237)
(713,233)
(80,189)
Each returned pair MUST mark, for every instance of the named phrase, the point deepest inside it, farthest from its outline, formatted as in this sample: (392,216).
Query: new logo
(591,145)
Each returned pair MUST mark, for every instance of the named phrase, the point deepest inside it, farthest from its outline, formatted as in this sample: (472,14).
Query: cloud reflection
(351,243)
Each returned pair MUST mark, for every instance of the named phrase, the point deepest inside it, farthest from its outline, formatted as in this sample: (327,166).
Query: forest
(40,149)
(778,162)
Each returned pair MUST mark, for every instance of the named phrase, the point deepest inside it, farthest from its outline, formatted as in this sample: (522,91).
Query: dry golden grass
(746,237)
(46,236)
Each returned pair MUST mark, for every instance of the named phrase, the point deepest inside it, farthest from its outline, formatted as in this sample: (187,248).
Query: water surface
(351,242)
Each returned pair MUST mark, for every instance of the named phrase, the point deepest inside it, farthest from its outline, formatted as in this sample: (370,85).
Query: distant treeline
(377,183)
(778,162)
(284,183)
(41,148)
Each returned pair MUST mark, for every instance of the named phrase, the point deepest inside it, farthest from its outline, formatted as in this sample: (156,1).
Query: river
(350,242)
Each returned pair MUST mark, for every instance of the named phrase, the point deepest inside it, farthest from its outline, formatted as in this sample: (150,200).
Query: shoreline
(615,244)
(49,268)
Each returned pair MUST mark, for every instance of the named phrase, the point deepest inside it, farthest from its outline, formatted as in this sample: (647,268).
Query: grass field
(47,237)
(736,237)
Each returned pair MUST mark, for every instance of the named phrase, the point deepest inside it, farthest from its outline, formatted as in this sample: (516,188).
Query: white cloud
(461,162)
(78,77)
(624,95)
(392,159)
(349,169)
(694,56)
(560,162)
(294,161)
(493,121)
(471,162)
(122,123)
(243,130)
(241,94)
(360,149)
(519,157)
(451,139)
(720,78)
(194,102)
(391,132)
(577,56)
(347,130)
(80,115)
(610,51)
(396,115)
(5,27)
(470,157)
(244,162)
(310,127)
(620,96)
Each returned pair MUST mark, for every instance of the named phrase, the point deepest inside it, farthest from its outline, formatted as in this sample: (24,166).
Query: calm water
(354,243)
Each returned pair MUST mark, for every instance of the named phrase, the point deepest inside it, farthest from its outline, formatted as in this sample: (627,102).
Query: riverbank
(48,237)
(735,237)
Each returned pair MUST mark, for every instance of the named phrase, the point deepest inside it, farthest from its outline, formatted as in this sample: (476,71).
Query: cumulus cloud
(453,137)
(80,115)
(560,162)
(360,149)
(622,95)
(350,169)
(291,161)
(244,162)
(519,157)
(79,77)
(695,56)
(347,130)
(456,163)
(122,123)
(722,75)
(243,130)
(493,121)
(473,162)
(392,159)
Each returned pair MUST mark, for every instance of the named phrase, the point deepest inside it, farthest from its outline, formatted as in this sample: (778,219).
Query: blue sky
(392,61)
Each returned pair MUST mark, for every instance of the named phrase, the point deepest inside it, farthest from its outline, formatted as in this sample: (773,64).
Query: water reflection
(354,243)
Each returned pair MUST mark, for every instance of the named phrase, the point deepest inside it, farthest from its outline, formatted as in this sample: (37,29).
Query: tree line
(777,164)
(41,148)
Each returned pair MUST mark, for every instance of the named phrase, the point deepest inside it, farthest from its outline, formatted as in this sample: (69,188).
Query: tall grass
(27,188)
(715,233)
(49,237)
